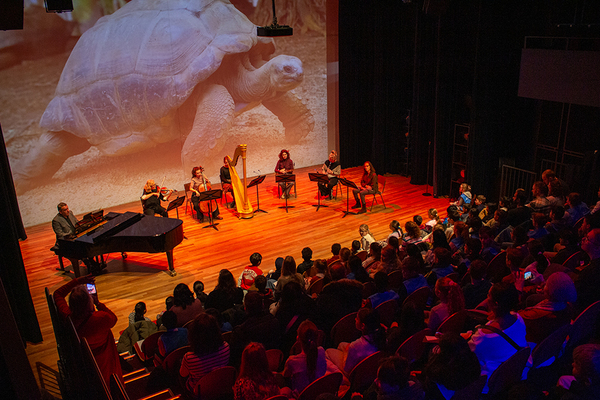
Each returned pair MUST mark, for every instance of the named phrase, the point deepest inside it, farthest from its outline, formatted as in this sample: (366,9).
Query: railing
(512,178)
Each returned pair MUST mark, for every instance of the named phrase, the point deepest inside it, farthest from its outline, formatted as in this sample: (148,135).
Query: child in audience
(434,219)
(307,261)
(138,313)
(173,338)
(479,204)
(335,251)
(355,248)
(199,291)
(417,219)
(169,302)
(585,381)
(255,381)
(464,199)
(250,273)
(365,237)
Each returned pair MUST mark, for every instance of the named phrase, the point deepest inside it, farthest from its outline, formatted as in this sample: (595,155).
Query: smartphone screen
(527,275)
(91,288)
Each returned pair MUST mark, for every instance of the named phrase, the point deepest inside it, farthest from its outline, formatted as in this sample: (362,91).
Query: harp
(244,208)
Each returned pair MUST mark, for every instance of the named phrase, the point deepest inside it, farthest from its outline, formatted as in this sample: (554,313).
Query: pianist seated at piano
(151,198)
(63,223)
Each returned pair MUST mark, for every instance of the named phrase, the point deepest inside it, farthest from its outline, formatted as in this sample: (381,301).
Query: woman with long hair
(185,306)
(200,183)
(368,185)
(311,363)
(412,234)
(372,339)
(285,166)
(255,381)
(226,294)
(209,351)
(451,301)
(288,274)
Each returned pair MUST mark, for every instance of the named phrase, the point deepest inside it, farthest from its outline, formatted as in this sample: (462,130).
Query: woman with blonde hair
(151,198)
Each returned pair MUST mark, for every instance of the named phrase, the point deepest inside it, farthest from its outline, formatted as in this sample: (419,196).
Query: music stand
(208,196)
(319,178)
(348,184)
(255,182)
(175,204)
(285,178)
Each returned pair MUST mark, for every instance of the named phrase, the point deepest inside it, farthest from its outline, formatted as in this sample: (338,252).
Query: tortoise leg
(214,116)
(296,118)
(52,150)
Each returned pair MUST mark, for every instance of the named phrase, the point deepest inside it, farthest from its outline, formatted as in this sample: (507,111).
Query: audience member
(382,294)
(412,320)
(366,238)
(174,337)
(199,291)
(357,272)
(394,381)
(355,247)
(226,294)
(539,203)
(255,381)
(575,209)
(584,384)
(307,261)
(451,301)
(169,302)
(451,366)
(477,289)
(413,280)
(335,253)
(249,274)
(93,321)
(553,311)
(348,355)
(311,363)
(185,306)
(587,283)
(434,219)
(396,230)
(138,313)
(412,234)
(489,342)
(209,351)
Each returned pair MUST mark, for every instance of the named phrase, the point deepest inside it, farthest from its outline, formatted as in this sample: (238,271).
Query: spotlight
(274,29)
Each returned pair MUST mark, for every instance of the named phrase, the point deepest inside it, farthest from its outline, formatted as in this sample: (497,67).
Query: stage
(144,277)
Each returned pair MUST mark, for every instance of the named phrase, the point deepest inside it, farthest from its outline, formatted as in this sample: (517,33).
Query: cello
(206,207)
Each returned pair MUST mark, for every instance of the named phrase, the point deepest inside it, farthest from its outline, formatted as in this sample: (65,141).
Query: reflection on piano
(127,232)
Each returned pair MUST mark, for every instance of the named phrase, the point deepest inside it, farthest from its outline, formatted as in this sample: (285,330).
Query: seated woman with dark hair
(93,321)
(226,294)
(310,364)
(348,355)
(185,306)
(209,351)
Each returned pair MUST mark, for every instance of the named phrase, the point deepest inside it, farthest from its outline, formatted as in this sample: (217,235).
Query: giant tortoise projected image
(159,87)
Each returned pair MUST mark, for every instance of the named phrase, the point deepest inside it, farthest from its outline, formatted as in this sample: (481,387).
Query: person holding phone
(92,320)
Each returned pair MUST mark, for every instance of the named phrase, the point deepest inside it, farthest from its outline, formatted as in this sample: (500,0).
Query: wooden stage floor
(143,277)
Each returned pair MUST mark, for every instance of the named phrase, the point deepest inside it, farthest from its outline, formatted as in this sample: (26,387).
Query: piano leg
(171,271)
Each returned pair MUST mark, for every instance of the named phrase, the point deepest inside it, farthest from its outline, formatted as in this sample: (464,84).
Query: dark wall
(452,65)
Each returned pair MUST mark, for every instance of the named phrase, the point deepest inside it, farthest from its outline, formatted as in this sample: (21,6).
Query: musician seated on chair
(285,166)
(226,180)
(151,198)
(333,169)
(200,183)
(368,185)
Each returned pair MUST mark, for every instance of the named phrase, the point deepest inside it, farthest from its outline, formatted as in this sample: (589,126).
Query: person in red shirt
(246,279)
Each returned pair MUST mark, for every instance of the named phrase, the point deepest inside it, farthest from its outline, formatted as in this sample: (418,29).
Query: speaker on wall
(11,16)
(58,5)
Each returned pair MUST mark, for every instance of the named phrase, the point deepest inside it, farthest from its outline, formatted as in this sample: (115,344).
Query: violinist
(151,198)
(200,183)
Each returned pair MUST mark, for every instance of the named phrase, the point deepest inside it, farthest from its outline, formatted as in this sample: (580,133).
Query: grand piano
(126,232)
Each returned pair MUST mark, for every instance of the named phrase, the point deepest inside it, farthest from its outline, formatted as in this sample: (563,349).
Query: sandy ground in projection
(90,181)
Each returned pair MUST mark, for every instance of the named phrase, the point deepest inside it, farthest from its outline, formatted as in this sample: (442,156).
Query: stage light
(274,29)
